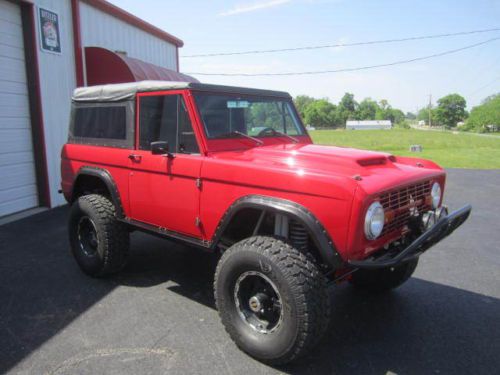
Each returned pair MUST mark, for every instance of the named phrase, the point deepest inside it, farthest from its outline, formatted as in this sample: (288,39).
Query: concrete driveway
(158,315)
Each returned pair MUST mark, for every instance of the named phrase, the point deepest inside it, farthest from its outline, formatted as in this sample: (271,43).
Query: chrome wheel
(258,301)
(87,236)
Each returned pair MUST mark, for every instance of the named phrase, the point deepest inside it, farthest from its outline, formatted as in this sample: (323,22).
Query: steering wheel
(265,131)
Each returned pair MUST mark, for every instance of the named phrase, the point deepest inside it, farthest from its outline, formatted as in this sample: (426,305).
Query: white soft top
(124,91)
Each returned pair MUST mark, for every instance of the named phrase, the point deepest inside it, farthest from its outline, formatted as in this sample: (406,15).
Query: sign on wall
(49,31)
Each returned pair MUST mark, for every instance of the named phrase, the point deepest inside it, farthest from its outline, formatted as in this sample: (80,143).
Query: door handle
(135,158)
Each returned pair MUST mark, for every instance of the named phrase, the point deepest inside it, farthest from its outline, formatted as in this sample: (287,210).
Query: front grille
(401,204)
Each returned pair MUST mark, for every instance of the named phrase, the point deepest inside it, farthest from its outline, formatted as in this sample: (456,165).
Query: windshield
(227,116)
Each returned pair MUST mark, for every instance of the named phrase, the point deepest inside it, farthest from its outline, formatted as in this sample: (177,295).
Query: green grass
(448,149)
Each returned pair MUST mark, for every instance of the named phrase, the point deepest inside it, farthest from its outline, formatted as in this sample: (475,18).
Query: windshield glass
(225,116)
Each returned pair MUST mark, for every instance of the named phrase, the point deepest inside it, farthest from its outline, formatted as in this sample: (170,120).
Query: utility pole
(430,109)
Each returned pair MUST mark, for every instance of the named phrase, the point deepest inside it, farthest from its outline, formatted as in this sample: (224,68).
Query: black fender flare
(322,240)
(105,177)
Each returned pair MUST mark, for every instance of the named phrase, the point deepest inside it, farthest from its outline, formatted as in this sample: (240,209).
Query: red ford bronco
(233,170)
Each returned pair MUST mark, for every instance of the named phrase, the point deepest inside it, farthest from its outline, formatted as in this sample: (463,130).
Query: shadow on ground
(424,327)
(421,328)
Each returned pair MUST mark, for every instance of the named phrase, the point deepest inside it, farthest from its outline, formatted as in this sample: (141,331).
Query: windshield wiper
(258,141)
(295,140)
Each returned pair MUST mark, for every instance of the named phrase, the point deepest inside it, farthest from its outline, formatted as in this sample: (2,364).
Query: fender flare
(105,177)
(322,240)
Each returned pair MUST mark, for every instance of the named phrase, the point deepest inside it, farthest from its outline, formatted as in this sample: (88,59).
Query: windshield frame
(232,142)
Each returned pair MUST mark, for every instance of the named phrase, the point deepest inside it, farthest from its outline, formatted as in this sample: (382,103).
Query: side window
(157,120)
(165,118)
(187,139)
(101,124)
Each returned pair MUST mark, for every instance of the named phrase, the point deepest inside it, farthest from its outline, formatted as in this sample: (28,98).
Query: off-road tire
(113,239)
(384,279)
(305,307)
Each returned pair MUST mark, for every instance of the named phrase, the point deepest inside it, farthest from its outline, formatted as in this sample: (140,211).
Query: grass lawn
(449,150)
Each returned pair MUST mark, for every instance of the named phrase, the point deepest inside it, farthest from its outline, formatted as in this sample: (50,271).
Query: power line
(484,86)
(343,44)
(449,52)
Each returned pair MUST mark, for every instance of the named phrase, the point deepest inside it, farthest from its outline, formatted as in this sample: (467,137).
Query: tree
(302,102)
(383,110)
(348,103)
(394,115)
(384,104)
(483,115)
(451,110)
(411,116)
(397,116)
(347,108)
(366,109)
(321,113)
(423,115)
(491,97)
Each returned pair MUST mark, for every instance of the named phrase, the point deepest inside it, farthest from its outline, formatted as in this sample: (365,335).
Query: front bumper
(443,228)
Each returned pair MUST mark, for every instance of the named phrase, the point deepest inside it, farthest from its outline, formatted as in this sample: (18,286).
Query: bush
(402,125)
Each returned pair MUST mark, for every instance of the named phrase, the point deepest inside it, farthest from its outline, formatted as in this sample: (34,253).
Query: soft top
(124,91)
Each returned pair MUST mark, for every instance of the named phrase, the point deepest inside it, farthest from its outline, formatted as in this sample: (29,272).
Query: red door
(163,189)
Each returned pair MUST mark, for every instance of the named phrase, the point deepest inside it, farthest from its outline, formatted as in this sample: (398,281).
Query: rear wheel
(99,242)
(271,298)
(380,280)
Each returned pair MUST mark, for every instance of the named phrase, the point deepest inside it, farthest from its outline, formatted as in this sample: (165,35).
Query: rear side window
(165,118)
(106,124)
(100,122)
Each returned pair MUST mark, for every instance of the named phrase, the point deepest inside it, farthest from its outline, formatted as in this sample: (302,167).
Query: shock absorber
(298,235)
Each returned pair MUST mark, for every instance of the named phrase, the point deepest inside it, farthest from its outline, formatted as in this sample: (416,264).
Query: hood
(292,164)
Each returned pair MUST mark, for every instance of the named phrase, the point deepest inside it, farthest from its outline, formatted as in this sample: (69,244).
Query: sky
(239,25)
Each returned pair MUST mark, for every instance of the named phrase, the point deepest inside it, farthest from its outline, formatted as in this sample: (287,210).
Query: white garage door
(18,189)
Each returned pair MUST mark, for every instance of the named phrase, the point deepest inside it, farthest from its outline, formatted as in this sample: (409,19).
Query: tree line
(450,112)
(324,114)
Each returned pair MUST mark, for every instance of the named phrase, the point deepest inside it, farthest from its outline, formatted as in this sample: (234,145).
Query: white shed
(368,124)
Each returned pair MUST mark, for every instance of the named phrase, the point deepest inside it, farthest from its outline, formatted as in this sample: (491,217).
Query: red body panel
(163,191)
(114,160)
(335,184)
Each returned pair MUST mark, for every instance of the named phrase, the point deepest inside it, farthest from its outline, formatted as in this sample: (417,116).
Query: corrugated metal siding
(18,189)
(57,81)
(99,29)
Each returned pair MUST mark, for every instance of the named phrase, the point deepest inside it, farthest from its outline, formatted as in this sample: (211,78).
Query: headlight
(374,220)
(436,195)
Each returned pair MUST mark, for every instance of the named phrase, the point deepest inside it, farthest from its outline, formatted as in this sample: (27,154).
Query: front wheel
(272,299)
(380,280)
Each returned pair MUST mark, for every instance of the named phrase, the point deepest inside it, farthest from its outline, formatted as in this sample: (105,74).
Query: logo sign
(50,38)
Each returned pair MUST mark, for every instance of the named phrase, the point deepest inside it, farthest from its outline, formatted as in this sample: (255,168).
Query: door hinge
(197,221)
(198,183)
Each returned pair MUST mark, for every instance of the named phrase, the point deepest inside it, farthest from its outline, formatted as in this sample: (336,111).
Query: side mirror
(161,148)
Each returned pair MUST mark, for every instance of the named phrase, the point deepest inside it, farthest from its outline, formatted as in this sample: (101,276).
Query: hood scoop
(375,160)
